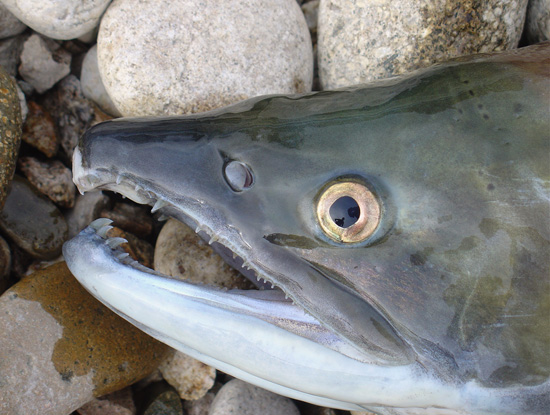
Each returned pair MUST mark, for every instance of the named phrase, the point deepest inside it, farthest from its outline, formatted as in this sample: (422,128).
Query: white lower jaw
(216,327)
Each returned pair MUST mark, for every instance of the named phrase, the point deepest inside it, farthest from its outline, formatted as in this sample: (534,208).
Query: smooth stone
(43,62)
(71,110)
(59,19)
(130,217)
(32,221)
(10,51)
(191,379)
(51,178)
(537,25)
(9,24)
(311,12)
(5,264)
(163,400)
(199,406)
(92,85)
(61,347)
(359,41)
(10,131)
(181,253)
(87,208)
(238,397)
(39,130)
(196,56)
(116,403)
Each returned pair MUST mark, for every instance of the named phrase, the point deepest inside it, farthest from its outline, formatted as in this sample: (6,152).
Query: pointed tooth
(158,204)
(234,255)
(115,242)
(118,179)
(162,218)
(103,231)
(213,239)
(80,191)
(122,255)
(138,188)
(99,223)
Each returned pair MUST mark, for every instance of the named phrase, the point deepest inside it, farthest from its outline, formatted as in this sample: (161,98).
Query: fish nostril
(238,175)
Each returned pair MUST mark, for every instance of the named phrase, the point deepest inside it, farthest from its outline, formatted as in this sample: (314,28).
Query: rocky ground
(67,65)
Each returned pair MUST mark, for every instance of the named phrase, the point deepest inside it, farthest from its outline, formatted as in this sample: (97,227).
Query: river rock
(180,253)
(92,85)
(191,378)
(199,406)
(43,62)
(61,347)
(116,403)
(177,56)
(130,217)
(59,19)
(39,130)
(87,208)
(238,397)
(32,221)
(161,399)
(359,41)
(71,110)
(9,24)
(10,131)
(10,51)
(537,25)
(51,178)
(5,264)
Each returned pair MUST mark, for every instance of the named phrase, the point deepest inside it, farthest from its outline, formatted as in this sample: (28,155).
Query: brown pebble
(39,130)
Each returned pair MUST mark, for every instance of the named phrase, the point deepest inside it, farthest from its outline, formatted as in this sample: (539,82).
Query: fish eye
(238,175)
(348,212)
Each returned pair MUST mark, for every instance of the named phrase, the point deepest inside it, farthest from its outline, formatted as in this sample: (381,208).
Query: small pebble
(10,51)
(87,208)
(9,24)
(116,403)
(238,397)
(176,56)
(51,178)
(32,221)
(39,129)
(59,19)
(537,25)
(43,62)
(164,400)
(362,41)
(92,85)
(72,111)
(191,378)
(10,131)
(199,406)
(130,217)
(61,347)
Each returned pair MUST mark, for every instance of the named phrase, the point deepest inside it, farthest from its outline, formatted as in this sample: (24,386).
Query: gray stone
(10,50)
(87,208)
(59,19)
(238,397)
(164,401)
(51,178)
(9,24)
(92,85)
(538,21)
(359,41)
(32,221)
(116,403)
(199,406)
(43,63)
(176,56)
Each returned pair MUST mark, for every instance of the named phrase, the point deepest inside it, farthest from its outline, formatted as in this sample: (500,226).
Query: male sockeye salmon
(405,226)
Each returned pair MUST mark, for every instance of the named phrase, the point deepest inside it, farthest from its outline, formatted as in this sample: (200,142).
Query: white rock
(43,63)
(178,56)
(58,19)
(9,24)
(238,397)
(92,85)
(538,20)
(359,41)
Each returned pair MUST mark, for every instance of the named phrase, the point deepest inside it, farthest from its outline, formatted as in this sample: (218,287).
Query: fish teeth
(118,179)
(138,188)
(162,218)
(115,242)
(213,239)
(122,255)
(158,205)
(100,223)
(103,231)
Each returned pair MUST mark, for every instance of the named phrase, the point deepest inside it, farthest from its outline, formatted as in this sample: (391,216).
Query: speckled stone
(59,19)
(92,85)
(116,403)
(191,378)
(537,25)
(43,62)
(71,110)
(32,221)
(51,178)
(61,347)
(180,253)
(176,56)
(359,40)
(238,397)
(10,131)
(39,130)
(9,24)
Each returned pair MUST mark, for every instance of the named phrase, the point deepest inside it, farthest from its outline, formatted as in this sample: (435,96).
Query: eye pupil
(238,175)
(345,211)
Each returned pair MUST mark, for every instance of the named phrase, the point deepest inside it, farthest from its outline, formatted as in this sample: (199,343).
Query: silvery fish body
(407,222)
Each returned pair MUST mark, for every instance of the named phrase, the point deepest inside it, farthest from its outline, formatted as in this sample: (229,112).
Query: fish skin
(457,275)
